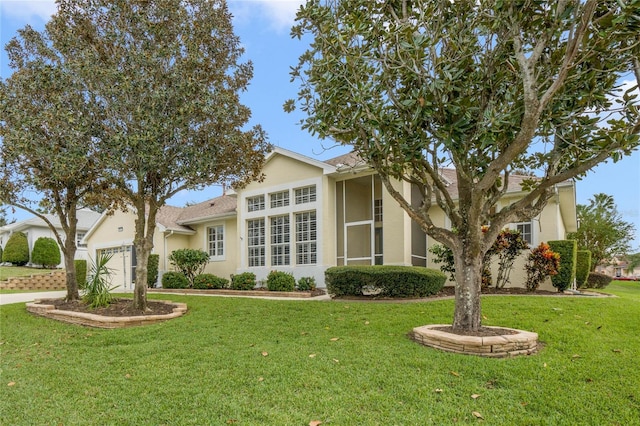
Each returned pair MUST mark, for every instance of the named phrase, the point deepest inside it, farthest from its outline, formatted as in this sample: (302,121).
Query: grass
(7,272)
(265,362)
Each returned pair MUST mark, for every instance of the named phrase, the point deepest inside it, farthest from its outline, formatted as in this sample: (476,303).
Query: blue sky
(263,27)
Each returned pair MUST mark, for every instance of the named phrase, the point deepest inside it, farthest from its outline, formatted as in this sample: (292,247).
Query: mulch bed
(450,291)
(119,307)
(481,332)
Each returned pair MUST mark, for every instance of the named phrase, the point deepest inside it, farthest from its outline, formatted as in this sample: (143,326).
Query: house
(305,216)
(36,227)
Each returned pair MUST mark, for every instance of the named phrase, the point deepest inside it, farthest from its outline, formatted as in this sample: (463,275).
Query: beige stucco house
(305,216)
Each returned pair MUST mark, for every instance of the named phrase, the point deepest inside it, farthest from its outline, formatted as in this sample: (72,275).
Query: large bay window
(280,238)
(255,242)
(306,238)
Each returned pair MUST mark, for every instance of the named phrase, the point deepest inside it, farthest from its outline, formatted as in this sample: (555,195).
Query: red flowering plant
(541,263)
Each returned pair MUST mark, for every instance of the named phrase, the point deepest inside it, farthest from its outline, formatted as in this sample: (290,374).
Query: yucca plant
(97,288)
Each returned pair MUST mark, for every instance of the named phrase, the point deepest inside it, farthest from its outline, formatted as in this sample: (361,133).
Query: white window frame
(280,238)
(256,243)
(279,199)
(517,226)
(305,194)
(306,237)
(255,203)
(220,230)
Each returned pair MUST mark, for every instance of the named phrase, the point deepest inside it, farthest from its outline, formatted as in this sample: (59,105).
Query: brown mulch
(450,291)
(481,332)
(118,308)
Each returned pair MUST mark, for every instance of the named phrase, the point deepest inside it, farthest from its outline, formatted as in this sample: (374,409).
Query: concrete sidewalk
(6,299)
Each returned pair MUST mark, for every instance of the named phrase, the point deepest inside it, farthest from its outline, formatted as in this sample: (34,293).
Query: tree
(485,87)
(602,230)
(167,76)
(191,262)
(17,249)
(49,129)
(45,252)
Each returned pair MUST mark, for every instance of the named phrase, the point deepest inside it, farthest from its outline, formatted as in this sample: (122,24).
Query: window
(306,249)
(255,242)
(215,242)
(377,210)
(525,231)
(280,238)
(279,199)
(255,203)
(306,194)
(79,237)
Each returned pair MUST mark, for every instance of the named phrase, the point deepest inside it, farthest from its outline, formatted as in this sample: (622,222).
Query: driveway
(6,299)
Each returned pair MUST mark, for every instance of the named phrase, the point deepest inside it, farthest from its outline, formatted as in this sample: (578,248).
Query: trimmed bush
(384,281)
(174,279)
(46,252)
(81,272)
(280,281)
(596,280)
(567,249)
(209,281)
(16,251)
(190,262)
(307,284)
(152,270)
(243,281)
(583,266)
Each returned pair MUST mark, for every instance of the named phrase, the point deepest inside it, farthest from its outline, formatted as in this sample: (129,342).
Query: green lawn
(7,272)
(265,362)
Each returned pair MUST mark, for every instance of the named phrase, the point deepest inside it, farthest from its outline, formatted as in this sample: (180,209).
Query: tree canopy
(167,76)
(484,87)
(602,230)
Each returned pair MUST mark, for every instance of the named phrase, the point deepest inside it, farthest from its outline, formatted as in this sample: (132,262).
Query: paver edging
(103,321)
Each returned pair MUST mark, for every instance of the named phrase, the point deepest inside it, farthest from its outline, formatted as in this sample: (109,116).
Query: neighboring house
(35,228)
(305,216)
(618,268)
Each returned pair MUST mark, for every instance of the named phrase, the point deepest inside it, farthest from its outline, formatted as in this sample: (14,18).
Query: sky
(263,27)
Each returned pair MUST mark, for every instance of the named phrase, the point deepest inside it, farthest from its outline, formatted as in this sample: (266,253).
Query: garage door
(121,265)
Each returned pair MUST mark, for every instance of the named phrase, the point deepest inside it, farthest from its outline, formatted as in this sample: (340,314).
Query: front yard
(265,362)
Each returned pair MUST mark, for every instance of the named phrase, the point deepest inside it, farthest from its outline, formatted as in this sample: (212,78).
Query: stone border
(503,346)
(227,292)
(101,321)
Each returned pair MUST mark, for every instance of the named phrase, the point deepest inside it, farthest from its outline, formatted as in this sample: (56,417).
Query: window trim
(216,257)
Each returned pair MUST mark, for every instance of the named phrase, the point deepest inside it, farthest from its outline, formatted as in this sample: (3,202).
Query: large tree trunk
(69,252)
(467,315)
(143,241)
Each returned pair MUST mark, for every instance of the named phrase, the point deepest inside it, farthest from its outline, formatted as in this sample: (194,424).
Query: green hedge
(280,281)
(209,281)
(384,281)
(567,249)
(244,281)
(152,270)
(174,279)
(583,267)
(16,251)
(81,272)
(45,252)
(596,280)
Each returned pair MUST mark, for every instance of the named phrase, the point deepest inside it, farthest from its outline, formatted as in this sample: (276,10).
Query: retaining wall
(54,281)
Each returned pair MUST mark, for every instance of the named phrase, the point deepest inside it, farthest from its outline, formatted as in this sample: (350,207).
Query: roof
(352,161)
(167,217)
(86,219)
(221,206)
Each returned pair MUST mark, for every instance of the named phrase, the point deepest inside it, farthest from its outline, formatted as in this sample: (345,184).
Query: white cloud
(28,9)
(280,13)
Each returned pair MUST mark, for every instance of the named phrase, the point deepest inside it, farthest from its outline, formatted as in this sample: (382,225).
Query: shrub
(583,266)
(190,262)
(280,281)
(541,263)
(0,254)
(173,279)
(46,252)
(507,248)
(152,270)
(243,281)
(567,249)
(307,284)
(209,281)
(596,280)
(97,289)
(81,272)
(384,280)
(16,251)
